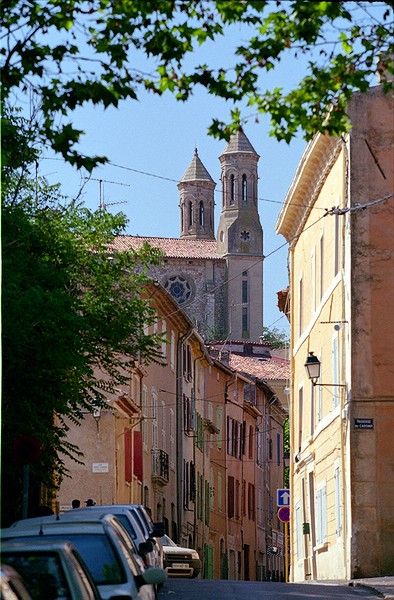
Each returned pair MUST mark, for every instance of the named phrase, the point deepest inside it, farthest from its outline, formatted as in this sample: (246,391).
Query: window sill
(321,547)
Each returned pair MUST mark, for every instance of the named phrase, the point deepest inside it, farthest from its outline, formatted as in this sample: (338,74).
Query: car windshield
(42,572)
(98,554)
(127,525)
(167,541)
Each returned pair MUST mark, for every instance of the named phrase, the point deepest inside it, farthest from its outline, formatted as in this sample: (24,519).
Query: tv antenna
(102,204)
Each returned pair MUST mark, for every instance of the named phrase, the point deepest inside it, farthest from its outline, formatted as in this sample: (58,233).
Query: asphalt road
(205,589)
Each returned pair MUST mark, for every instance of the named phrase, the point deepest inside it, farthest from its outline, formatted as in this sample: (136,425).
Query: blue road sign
(283,497)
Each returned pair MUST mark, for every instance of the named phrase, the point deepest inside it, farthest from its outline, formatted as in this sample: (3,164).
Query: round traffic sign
(284,514)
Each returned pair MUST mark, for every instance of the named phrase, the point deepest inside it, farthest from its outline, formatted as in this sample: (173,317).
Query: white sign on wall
(100,468)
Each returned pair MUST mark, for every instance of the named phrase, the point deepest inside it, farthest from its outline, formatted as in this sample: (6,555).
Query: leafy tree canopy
(73,317)
(276,338)
(78,51)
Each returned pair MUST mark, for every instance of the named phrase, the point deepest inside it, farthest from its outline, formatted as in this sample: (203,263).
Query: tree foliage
(276,338)
(73,317)
(78,51)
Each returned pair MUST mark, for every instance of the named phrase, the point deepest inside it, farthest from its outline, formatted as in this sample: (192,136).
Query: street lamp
(312,366)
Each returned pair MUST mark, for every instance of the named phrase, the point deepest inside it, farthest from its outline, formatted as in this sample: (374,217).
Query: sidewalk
(383,586)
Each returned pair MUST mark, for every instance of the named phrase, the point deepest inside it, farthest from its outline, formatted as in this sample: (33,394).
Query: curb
(379,592)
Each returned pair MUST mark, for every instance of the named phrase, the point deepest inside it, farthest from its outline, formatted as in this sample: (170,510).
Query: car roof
(95,524)
(46,545)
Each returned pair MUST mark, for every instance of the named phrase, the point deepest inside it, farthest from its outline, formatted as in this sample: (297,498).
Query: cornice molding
(312,172)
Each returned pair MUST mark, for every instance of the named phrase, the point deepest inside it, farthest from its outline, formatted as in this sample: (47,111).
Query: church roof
(267,369)
(171,247)
(239,143)
(196,170)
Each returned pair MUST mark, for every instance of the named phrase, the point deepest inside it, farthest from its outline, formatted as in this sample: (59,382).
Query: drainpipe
(179,430)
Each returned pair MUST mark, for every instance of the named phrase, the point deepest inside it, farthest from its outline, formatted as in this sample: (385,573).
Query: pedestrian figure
(90,502)
(76,503)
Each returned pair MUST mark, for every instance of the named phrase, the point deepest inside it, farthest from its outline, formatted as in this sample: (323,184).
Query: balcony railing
(159,466)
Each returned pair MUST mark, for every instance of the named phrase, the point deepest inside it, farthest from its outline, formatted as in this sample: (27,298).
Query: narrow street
(208,589)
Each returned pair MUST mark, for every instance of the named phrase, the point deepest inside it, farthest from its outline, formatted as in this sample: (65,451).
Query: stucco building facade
(338,217)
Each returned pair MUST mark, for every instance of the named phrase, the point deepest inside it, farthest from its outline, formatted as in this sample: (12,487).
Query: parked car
(106,548)
(145,546)
(51,569)
(179,561)
(137,515)
(12,587)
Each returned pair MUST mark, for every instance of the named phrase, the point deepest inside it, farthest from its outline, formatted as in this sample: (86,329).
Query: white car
(179,561)
(105,546)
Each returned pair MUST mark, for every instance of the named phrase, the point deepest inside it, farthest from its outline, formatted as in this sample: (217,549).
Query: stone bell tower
(240,239)
(197,202)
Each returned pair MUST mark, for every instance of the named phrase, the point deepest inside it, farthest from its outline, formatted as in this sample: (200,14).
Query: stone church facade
(217,281)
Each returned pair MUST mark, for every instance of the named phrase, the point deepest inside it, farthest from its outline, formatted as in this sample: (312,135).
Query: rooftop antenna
(102,204)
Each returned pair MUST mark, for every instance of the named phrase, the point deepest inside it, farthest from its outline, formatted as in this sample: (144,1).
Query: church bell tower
(197,202)
(240,239)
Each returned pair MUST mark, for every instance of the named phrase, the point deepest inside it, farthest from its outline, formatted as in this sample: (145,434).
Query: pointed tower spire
(240,238)
(197,201)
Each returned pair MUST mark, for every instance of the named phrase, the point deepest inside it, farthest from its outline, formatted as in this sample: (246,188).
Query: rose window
(179,288)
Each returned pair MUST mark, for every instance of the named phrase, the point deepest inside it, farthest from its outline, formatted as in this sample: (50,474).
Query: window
(244,189)
(321,505)
(245,327)
(338,509)
(244,291)
(300,307)
(155,436)
(187,414)
(321,291)
(251,441)
(212,490)
(190,215)
(232,189)
(187,362)
(278,449)
(251,502)
(201,215)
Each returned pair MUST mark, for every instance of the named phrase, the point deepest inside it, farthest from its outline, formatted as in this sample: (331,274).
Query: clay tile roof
(171,247)
(196,170)
(239,143)
(271,369)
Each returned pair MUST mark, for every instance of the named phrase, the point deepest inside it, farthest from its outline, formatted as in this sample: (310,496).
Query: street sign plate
(284,514)
(283,497)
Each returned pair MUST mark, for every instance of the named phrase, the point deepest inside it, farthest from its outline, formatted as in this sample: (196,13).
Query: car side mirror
(145,547)
(158,529)
(152,576)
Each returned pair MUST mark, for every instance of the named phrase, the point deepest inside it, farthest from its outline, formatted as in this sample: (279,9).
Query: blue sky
(152,141)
